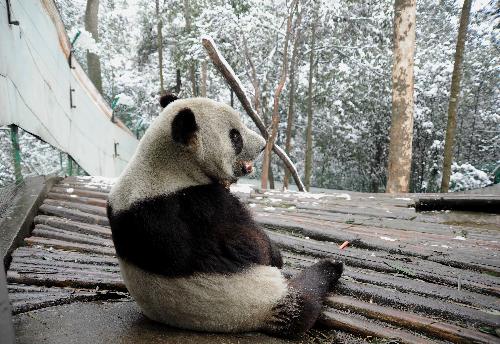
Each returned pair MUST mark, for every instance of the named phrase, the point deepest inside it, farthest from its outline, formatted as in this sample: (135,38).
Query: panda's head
(209,136)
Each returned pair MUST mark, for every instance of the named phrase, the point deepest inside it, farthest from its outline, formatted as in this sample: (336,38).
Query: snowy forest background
(351,81)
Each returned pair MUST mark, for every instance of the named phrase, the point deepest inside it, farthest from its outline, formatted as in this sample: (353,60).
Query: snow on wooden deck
(419,277)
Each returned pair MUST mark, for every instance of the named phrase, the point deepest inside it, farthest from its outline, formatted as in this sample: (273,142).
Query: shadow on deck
(414,277)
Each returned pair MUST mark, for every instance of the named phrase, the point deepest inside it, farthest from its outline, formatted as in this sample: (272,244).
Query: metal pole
(69,166)
(16,153)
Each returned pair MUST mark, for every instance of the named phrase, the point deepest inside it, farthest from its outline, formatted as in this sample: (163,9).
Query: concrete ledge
(113,322)
(17,222)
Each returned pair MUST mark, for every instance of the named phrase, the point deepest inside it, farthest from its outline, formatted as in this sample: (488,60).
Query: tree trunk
(93,61)
(454,94)
(276,116)
(308,162)
(159,27)
(204,67)
(178,82)
(192,71)
(401,134)
(293,64)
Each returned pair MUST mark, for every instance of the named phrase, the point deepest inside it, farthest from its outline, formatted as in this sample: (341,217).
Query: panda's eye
(236,140)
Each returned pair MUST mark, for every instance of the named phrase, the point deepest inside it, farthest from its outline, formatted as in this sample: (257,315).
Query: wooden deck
(417,277)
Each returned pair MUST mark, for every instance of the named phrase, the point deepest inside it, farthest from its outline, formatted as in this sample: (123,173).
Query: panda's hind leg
(300,308)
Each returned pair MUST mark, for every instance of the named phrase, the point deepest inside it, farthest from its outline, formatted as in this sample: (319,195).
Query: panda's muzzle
(246,167)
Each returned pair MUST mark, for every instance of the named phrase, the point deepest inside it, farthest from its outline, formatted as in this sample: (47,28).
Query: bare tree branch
(235,84)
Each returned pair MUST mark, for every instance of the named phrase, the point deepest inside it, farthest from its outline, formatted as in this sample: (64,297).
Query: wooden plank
(433,247)
(45,231)
(75,198)
(409,301)
(66,279)
(419,304)
(85,185)
(391,263)
(80,192)
(404,284)
(86,208)
(75,226)
(363,327)
(26,298)
(73,215)
(430,326)
(70,246)
(42,253)
(480,204)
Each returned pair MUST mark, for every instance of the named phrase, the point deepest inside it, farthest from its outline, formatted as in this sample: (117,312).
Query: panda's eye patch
(236,140)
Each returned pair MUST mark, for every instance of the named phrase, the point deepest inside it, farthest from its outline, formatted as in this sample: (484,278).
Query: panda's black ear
(184,127)
(167,99)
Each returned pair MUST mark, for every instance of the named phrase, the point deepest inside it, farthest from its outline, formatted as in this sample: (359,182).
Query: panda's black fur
(194,257)
(202,228)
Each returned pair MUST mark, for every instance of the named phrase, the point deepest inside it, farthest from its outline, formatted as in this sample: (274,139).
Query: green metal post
(16,153)
(69,166)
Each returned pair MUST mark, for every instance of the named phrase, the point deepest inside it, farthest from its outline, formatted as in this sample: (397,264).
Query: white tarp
(35,82)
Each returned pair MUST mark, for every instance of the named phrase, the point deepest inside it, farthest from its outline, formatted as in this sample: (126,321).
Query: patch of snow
(403,198)
(242,188)
(269,208)
(252,205)
(445,246)
(70,190)
(292,207)
(388,238)
(344,195)
(459,237)
(273,200)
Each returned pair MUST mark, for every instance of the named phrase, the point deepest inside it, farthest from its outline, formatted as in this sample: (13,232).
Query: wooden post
(16,153)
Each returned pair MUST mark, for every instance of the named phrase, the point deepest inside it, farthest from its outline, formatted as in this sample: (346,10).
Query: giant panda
(189,251)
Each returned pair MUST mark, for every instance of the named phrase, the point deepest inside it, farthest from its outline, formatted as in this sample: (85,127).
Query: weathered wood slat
(66,279)
(80,192)
(61,234)
(413,302)
(433,327)
(360,326)
(379,261)
(485,204)
(33,252)
(28,297)
(86,208)
(70,246)
(371,238)
(71,225)
(73,215)
(77,199)
(404,284)
(91,186)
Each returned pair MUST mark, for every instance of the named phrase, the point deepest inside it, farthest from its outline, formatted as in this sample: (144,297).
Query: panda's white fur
(168,174)
(208,302)
(160,167)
